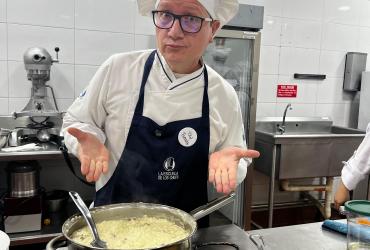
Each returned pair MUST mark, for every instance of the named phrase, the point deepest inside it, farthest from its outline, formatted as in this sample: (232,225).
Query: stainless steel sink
(308,147)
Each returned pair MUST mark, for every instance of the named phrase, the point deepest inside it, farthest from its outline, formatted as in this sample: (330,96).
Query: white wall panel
(144,25)
(4,79)
(339,113)
(94,47)
(41,12)
(266,109)
(267,88)
(273,7)
(4,106)
(342,11)
(298,109)
(364,40)
(331,91)
(19,86)
(297,60)
(364,17)
(3,42)
(339,37)
(108,15)
(310,10)
(83,75)
(332,63)
(301,33)
(271,31)
(22,37)
(269,60)
(143,42)
(2,10)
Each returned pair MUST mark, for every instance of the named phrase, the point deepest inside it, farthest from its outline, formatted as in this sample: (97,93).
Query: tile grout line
(7,54)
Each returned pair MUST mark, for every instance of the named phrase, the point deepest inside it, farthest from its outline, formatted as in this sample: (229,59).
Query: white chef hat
(221,10)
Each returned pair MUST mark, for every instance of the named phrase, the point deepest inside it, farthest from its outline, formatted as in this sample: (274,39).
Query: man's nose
(176,30)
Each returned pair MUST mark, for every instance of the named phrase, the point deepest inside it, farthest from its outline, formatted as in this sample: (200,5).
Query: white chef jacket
(106,107)
(358,166)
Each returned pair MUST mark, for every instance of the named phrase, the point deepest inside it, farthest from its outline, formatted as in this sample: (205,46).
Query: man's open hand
(93,155)
(223,166)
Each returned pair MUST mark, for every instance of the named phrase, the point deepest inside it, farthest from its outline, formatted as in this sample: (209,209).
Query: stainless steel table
(302,237)
(299,237)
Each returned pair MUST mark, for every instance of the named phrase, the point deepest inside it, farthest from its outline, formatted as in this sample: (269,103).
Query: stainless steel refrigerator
(234,54)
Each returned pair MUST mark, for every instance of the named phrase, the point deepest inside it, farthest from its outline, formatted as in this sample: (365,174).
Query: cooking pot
(4,241)
(130,210)
(23,178)
(358,224)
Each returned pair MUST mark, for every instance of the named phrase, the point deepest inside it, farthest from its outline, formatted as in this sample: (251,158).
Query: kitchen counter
(298,237)
(47,151)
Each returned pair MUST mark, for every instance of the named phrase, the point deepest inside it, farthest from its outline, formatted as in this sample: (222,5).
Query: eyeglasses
(188,23)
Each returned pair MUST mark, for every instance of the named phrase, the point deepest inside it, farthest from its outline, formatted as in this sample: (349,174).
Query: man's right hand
(93,155)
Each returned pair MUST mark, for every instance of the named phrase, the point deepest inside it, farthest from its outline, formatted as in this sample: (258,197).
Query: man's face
(181,49)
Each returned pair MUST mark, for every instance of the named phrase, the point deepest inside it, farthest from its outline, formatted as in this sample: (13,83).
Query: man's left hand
(223,166)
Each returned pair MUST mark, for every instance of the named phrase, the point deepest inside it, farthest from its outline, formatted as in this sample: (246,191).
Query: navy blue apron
(154,167)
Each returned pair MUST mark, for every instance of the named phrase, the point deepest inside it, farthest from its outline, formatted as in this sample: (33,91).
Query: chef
(354,170)
(153,126)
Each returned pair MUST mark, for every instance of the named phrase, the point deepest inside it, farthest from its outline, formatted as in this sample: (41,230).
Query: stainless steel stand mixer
(41,115)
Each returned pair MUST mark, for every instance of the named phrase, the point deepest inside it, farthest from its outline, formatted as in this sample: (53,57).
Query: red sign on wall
(286,90)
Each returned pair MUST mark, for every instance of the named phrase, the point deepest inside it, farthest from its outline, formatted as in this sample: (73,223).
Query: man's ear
(215,27)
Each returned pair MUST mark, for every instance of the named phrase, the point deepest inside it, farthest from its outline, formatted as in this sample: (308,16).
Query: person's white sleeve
(242,169)
(87,112)
(358,166)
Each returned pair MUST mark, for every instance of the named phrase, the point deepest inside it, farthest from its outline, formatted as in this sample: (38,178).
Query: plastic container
(358,221)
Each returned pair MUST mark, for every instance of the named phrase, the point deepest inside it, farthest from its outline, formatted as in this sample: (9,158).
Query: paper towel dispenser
(355,65)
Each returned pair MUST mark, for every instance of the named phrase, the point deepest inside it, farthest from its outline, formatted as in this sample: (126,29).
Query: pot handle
(50,245)
(212,206)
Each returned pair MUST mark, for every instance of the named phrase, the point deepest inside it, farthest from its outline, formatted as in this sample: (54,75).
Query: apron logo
(169,164)
(187,137)
(169,174)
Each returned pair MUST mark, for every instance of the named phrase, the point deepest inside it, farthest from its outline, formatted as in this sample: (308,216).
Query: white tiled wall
(87,33)
(310,37)
(299,36)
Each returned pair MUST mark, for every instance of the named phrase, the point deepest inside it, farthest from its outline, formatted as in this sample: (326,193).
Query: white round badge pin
(187,137)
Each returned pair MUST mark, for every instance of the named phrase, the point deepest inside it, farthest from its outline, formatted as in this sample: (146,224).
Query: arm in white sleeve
(358,166)
(87,112)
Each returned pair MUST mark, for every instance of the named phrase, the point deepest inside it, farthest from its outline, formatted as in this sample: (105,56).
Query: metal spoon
(97,242)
